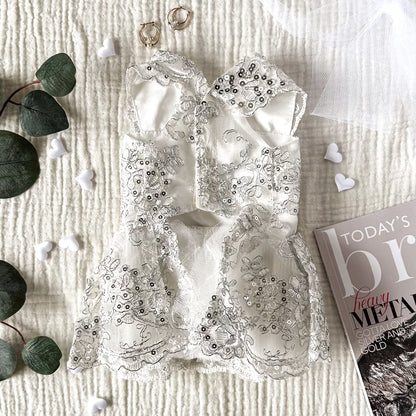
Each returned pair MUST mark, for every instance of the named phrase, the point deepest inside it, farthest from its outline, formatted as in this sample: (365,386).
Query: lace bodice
(207,270)
(218,148)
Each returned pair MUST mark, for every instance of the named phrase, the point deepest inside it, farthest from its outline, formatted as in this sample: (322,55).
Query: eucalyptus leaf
(41,115)
(12,290)
(19,164)
(8,360)
(57,75)
(42,355)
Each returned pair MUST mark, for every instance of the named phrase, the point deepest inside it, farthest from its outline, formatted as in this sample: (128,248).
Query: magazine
(371,266)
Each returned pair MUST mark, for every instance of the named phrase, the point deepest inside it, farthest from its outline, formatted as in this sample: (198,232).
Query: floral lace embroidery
(146,173)
(269,172)
(266,305)
(133,296)
(319,342)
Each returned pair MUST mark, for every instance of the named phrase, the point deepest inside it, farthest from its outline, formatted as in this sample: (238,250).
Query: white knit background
(221,32)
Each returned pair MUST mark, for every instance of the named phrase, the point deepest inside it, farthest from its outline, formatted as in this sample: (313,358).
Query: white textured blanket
(220,33)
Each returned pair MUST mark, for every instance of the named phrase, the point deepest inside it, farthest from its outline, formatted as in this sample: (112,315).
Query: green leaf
(41,115)
(19,164)
(8,360)
(12,290)
(57,75)
(42,355)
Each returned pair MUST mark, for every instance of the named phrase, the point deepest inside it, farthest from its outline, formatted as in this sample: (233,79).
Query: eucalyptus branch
(41,354)
(11,326)
(9,100)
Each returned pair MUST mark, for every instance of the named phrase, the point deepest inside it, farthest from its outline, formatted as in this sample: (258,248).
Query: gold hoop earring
(179,18)
(149,34)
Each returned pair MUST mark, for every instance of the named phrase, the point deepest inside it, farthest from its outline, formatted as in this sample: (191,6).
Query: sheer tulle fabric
(364,73)
(207,270)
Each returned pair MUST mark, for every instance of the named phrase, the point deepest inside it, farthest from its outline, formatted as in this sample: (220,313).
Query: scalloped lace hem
(163,371)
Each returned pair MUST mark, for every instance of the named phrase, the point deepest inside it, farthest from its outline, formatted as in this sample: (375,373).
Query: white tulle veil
(366,70)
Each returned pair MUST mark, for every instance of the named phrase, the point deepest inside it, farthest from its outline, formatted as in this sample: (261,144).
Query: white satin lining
(277,116)
(155,104)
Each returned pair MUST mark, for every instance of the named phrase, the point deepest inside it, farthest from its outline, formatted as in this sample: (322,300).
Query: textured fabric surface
(220,33)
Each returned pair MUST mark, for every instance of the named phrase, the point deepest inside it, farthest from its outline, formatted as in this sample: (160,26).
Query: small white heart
(76,370)
(42,250)
(70,242)
(107,50)
(332,154)
(95,404)
(57,149)
(343,183)
(84,179)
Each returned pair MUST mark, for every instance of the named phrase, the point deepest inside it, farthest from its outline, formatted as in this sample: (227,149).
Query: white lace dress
(207,270)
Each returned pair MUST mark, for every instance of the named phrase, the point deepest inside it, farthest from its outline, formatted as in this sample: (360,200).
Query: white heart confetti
(84,179)
(57,149)
(332,154)
(343,183)
(42,250)
(95,404)
(76,370)
(70,242)
(107,50)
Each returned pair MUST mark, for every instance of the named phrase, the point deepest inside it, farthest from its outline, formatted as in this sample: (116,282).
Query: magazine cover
(371,266)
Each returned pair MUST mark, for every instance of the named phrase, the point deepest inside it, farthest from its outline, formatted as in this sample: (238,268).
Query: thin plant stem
(15,92)
(11,326)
